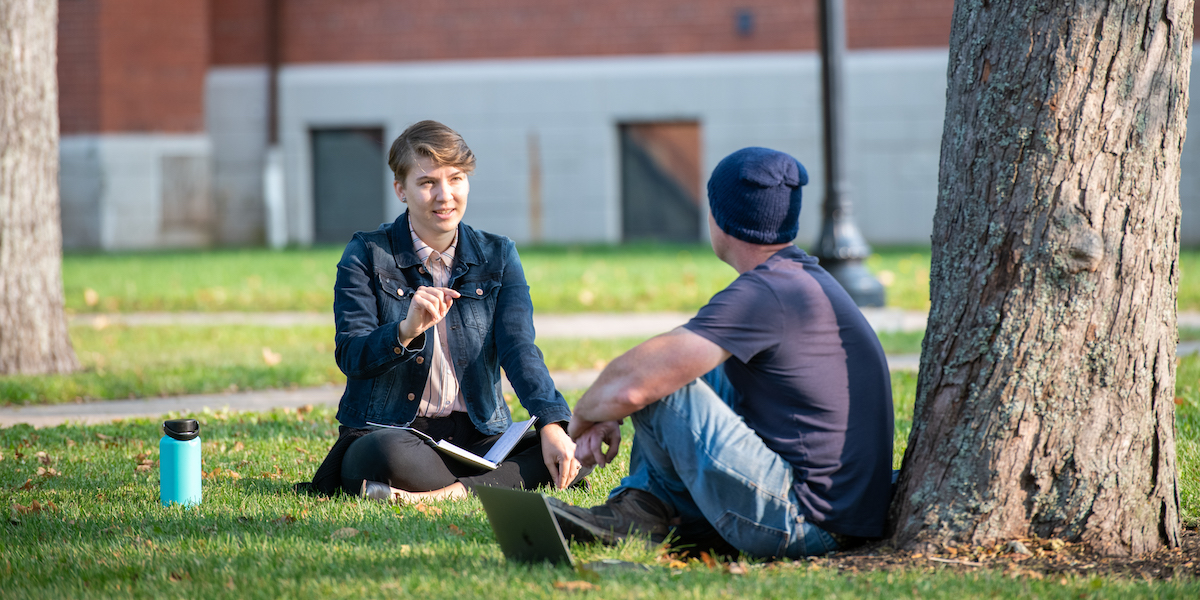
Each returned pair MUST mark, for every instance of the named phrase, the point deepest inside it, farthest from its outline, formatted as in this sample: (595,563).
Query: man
(767,418)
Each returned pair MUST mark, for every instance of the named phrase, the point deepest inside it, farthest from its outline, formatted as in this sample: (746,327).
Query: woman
(427,310)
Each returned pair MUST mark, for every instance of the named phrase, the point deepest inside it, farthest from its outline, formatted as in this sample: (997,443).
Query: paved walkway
(581,325)
(588,325)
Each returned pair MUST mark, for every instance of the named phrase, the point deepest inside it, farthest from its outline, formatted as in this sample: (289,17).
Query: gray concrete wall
(112,189)
(235,108)
(572,108)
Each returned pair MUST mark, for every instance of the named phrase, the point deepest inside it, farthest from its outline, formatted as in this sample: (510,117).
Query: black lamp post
(841,246)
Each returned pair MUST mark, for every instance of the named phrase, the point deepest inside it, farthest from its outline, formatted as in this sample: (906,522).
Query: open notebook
(496,455)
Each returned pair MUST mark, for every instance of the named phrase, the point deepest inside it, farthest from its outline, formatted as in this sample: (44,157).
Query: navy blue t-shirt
(813,383)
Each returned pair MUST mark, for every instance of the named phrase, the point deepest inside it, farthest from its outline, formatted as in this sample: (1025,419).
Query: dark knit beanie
(754,195)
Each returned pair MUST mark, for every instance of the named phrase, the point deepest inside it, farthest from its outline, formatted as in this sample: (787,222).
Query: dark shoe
(376,491)
(632,512)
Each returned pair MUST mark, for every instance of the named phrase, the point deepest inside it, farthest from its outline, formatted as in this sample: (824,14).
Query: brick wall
(139,65)
(239,31)
(132,65)
(898,23)
(78,66)
(378,30)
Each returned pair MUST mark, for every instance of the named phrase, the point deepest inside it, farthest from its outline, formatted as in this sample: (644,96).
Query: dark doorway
(660,181)
(348,185)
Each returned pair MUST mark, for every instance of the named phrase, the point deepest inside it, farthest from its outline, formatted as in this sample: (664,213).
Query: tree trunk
(33,330)
(1045,398)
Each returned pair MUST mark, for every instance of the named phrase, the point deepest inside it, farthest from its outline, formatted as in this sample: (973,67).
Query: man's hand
(558,451)
(428,307)
(588,447)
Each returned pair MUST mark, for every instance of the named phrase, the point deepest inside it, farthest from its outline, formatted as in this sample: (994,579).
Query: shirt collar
(424,251)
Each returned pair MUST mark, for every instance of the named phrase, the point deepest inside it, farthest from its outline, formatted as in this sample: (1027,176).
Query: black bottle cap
(182,429)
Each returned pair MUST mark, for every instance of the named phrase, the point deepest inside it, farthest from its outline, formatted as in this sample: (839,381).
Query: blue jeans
(693,452)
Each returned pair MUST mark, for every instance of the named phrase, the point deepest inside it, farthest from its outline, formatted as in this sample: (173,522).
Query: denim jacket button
(420,359)
(479,291)
(422,270)
(412,396)
(397,350)
(399,292)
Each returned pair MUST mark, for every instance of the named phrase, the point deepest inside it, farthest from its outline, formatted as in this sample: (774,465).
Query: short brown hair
(432,140)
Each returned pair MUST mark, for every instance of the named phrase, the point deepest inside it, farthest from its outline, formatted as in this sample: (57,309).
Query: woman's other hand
(558,451)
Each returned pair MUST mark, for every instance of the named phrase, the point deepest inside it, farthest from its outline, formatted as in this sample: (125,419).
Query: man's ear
(399,187)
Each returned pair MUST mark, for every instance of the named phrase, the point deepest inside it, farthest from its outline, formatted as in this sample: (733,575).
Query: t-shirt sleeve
(734,319)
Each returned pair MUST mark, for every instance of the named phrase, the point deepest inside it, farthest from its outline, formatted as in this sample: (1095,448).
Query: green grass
(1187,436)
(151,361)
(563,279)
(637,278)
(904,273)
(101,532)
(216,280)
(138,362)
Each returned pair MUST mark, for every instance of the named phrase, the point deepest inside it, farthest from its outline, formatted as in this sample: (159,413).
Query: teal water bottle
(179,462)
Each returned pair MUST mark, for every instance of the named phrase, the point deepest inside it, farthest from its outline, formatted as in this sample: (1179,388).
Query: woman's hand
(428,307)
(589,447)
(558,451)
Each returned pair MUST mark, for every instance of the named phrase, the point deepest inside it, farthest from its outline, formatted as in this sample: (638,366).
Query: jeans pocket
(752,537)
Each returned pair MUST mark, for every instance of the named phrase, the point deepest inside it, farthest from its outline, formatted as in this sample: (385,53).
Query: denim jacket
(489,326)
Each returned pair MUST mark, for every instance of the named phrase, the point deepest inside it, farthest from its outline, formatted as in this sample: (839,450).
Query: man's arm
(644,375)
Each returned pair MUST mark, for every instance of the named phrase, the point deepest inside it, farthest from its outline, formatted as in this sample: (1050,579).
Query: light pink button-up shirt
(442,393)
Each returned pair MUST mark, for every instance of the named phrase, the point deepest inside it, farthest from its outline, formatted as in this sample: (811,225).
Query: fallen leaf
(47,472)
(91,297)
(708,561)
(70,444)
(737,568)
(28,485)
(575,586)
(103,437)
(229,584)
(239,446)
(285,520)
(456,531)
(429,511)
(271,358)
(144,463)
(35,507)
(300,450)
(307,408)
(343,533)
(44,458)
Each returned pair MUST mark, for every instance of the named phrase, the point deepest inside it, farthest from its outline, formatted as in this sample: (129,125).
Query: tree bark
(33,328)
(1045,401)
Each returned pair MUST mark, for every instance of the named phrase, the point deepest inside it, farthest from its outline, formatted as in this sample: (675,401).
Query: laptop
(524,527)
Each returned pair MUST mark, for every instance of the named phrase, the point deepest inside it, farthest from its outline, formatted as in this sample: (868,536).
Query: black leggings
(402,460)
